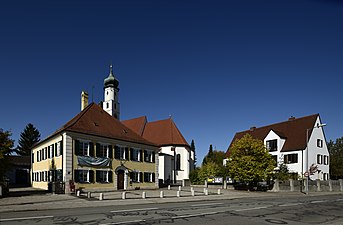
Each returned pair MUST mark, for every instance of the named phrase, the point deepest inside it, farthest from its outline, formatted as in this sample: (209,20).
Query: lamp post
(306,165)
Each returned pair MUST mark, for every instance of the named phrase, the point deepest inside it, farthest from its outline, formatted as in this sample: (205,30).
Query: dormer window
(271,145)
(319,143)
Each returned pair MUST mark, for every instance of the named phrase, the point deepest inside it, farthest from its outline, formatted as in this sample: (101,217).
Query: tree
(28,138)
(336,158)
(214,156)
(249,160)
(283,173)
(6,145)
(193,150)
(209,169)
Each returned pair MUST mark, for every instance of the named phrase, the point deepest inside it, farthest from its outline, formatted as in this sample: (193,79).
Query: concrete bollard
(225,183)
(123,195)
(206,184)
(89,195)
(143,194)
(330,185)
(206,191)
(169,187)
(341,184)
(193,193)
(318,185)
(161,194)
(178,194)
(180,188)
(78,192)
(101,197)
(291,184)
(192,188)
(218,191)
(0,191)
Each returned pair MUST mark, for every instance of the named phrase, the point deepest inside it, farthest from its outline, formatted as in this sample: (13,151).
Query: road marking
(340,199)
(130,210)
(125,222)
(290,204)
(262,207)
(195,215)
(208,204)
(320,201)
(26,218)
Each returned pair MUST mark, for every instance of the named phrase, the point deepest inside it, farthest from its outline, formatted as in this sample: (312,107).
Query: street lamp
(307,168)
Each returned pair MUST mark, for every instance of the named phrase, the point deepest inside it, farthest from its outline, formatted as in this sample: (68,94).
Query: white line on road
(125,222)
(320,201)
(262,207)
(208,204)
(340,199)
(130,210)
(290,204)
(195,215)
(26,218)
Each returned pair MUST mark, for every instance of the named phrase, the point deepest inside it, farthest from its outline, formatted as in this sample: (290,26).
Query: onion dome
(111,81)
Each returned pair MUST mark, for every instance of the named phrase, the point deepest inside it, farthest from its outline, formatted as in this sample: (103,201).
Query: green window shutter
(153,157)
(153,178)
(144,155)
(97,177)
(91,176)
(146,177)
(141,155)
(127,153)
(97,150)
(110,152)
(110,176)
(131,153)
(61,148)
(76,147)
(91,149)
(117,152)
(141,177)
(76,176)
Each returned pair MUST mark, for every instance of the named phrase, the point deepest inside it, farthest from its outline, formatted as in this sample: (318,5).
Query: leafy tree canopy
(336,158)
(6,145)
(195,158)
(214,156)
(249,160)
(29,137)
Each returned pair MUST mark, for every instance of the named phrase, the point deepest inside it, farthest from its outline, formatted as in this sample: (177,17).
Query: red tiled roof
(293,130)
(93,120)
(162,132)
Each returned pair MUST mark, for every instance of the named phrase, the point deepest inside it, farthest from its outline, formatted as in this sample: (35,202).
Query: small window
(272,145)
(84,148)
(149,156)
(319,143)
(135,154)
(178,162)
(135,176)
(291,158)
(107,105)
(149,177)
(103,176)
(103,151)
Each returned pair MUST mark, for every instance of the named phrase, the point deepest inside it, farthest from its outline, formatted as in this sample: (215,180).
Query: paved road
(281,209)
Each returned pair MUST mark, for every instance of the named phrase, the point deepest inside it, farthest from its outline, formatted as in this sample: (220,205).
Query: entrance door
(120,180)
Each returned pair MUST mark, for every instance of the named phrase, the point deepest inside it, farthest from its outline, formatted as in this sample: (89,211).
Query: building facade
(299,143)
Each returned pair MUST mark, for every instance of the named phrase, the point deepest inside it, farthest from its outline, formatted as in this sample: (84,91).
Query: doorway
(120,180)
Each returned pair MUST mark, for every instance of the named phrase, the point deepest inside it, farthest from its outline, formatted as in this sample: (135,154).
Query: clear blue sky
(217,67)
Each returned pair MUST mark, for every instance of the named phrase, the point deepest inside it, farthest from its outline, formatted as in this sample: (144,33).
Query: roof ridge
(78,117)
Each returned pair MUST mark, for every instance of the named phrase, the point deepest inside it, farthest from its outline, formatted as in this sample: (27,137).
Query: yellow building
(94,150)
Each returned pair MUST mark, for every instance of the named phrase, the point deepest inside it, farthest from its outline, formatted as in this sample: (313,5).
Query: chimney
(84,100)
(291,118)
(252,128)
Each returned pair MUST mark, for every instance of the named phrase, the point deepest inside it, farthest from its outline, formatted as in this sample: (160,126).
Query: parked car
(253,186)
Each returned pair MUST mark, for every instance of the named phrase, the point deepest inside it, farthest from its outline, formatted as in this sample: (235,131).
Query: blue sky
(217,67)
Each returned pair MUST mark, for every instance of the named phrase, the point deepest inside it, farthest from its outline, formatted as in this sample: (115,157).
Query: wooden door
(120,180)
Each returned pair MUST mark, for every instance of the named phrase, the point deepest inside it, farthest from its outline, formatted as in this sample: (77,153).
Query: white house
(299,143)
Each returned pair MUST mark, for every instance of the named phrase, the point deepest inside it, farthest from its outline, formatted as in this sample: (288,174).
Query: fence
(313,186)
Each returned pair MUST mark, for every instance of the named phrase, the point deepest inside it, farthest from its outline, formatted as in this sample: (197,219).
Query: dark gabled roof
(17,160)
(293,131)
(161,132)
(93,120)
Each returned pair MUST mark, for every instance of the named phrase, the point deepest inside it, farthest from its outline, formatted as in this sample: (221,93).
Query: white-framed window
(326,160)
(103,150)
(149,177)
(148,156)
(290,158)
(271,145)
(319,143)
(84,176)
(319,159)
(122,153)
(136,176)
(103,176)
(325,176)
(84,148)
(136,154)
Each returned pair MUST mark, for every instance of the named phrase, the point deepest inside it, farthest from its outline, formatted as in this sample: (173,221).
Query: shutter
(127,153)
(97,150)
(144,155)
(110,176)
(153,157)
(131,175)
(131,153)
(110,152)
(91,176)
(141,155)
(76,176)
(61,147)
(91,149)
(141,177)
(97,177)
(49,149)
(76,147)
(116,152)
(153,177)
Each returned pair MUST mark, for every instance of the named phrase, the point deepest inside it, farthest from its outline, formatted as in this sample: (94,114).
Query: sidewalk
(51,201)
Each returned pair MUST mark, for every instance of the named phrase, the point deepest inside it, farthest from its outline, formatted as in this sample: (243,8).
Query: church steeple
(111,103)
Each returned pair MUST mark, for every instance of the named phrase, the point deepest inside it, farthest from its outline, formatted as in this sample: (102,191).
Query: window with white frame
(319,159)
(135,176)
(290,158)
(84,148)
(103,176)
(271,145)
(148,156)
(122,153)
(326,160)
(149,177)
(84,176)
(103,150)
(136,154)
(319,143)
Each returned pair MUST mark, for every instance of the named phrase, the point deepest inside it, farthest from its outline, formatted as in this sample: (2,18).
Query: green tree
(6,145)
(194,176)
(210,169)
(283,173)
(28,138)
(214,156)
(195,158)
(249,160)
(336,158)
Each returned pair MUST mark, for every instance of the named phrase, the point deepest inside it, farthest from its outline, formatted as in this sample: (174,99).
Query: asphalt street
(274,209)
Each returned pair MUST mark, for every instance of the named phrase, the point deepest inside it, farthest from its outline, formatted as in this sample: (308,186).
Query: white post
(89,195)
(218,191)
(78,193)
(192,188)
(193,193)
(123,195)
(206,191)
(330,185)
(178,194)
(161,194)
(101,197)
(180,188)
(143,194)
(169,187)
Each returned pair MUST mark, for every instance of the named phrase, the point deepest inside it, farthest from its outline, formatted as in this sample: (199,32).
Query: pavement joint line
(290,204)
(207,204)
(26,218)
(247,209)
(124,222)
(130,210)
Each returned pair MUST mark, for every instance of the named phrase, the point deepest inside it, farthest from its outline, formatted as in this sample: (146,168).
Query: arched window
(178,162)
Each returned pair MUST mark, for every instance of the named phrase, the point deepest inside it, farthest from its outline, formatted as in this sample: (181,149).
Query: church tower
(111,104)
